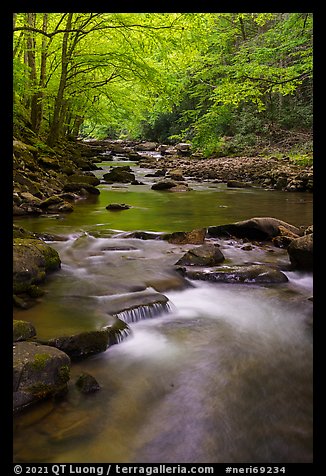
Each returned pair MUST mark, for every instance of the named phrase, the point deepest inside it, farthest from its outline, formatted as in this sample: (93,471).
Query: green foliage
(226,81)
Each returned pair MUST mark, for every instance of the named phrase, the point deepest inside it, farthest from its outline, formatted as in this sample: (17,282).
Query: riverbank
(50,181)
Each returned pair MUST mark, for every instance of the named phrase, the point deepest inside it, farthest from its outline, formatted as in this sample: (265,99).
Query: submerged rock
(253,274)
(204,255)
(86,383)
(39,371)
(300,252)
(261,228)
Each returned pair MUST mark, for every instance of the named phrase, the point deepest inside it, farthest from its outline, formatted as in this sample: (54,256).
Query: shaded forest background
(231,83)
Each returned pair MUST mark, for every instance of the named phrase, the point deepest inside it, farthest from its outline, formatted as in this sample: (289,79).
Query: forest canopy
(227,82)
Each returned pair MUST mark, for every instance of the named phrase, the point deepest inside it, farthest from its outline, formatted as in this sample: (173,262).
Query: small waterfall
(118,332)
(143,312)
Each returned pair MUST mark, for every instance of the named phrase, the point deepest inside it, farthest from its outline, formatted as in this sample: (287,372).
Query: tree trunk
(59,101)
(38,111)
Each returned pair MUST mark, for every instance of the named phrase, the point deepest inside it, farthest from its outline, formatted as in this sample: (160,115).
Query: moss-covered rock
(121,174)
(88,179)
(78,187)
(37,373)
(23,330)
(83,344)
(32,260)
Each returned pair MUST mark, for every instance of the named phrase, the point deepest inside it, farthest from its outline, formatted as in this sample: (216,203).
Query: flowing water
(222,374)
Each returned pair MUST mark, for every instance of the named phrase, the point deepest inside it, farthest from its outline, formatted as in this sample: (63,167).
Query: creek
(223,376)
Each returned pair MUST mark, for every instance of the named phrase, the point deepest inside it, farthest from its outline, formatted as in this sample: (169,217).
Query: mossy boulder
(81,178)
(32,260)
(20,232)
(83,344)
(121,174)
(23,330)
(39,372)
(78,187)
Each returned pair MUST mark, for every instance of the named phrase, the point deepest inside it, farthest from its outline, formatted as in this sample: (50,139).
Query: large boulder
(204,255)
(251,274)
(39,371)
(83,344)
(261,228)
(32,260)
(121,174)
(300,252)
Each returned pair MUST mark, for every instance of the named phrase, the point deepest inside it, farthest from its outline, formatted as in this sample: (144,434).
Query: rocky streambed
(93,287)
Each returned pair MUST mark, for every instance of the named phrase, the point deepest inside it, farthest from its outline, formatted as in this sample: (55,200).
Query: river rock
(194,237)
(121,174)
(79,187)
(39,371)
(167,282)
(23,330)
(83,344)
(142,235)
(183,148)
(238,184)
(32,259)
(164,185)
(176,174)
(117,331)
(284,238)
(20,232)
(301,252)
(204,255)
(137,305)
(86,383)
(149,146)
(83,178)
(261,228)
(117,206)
(252,274)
